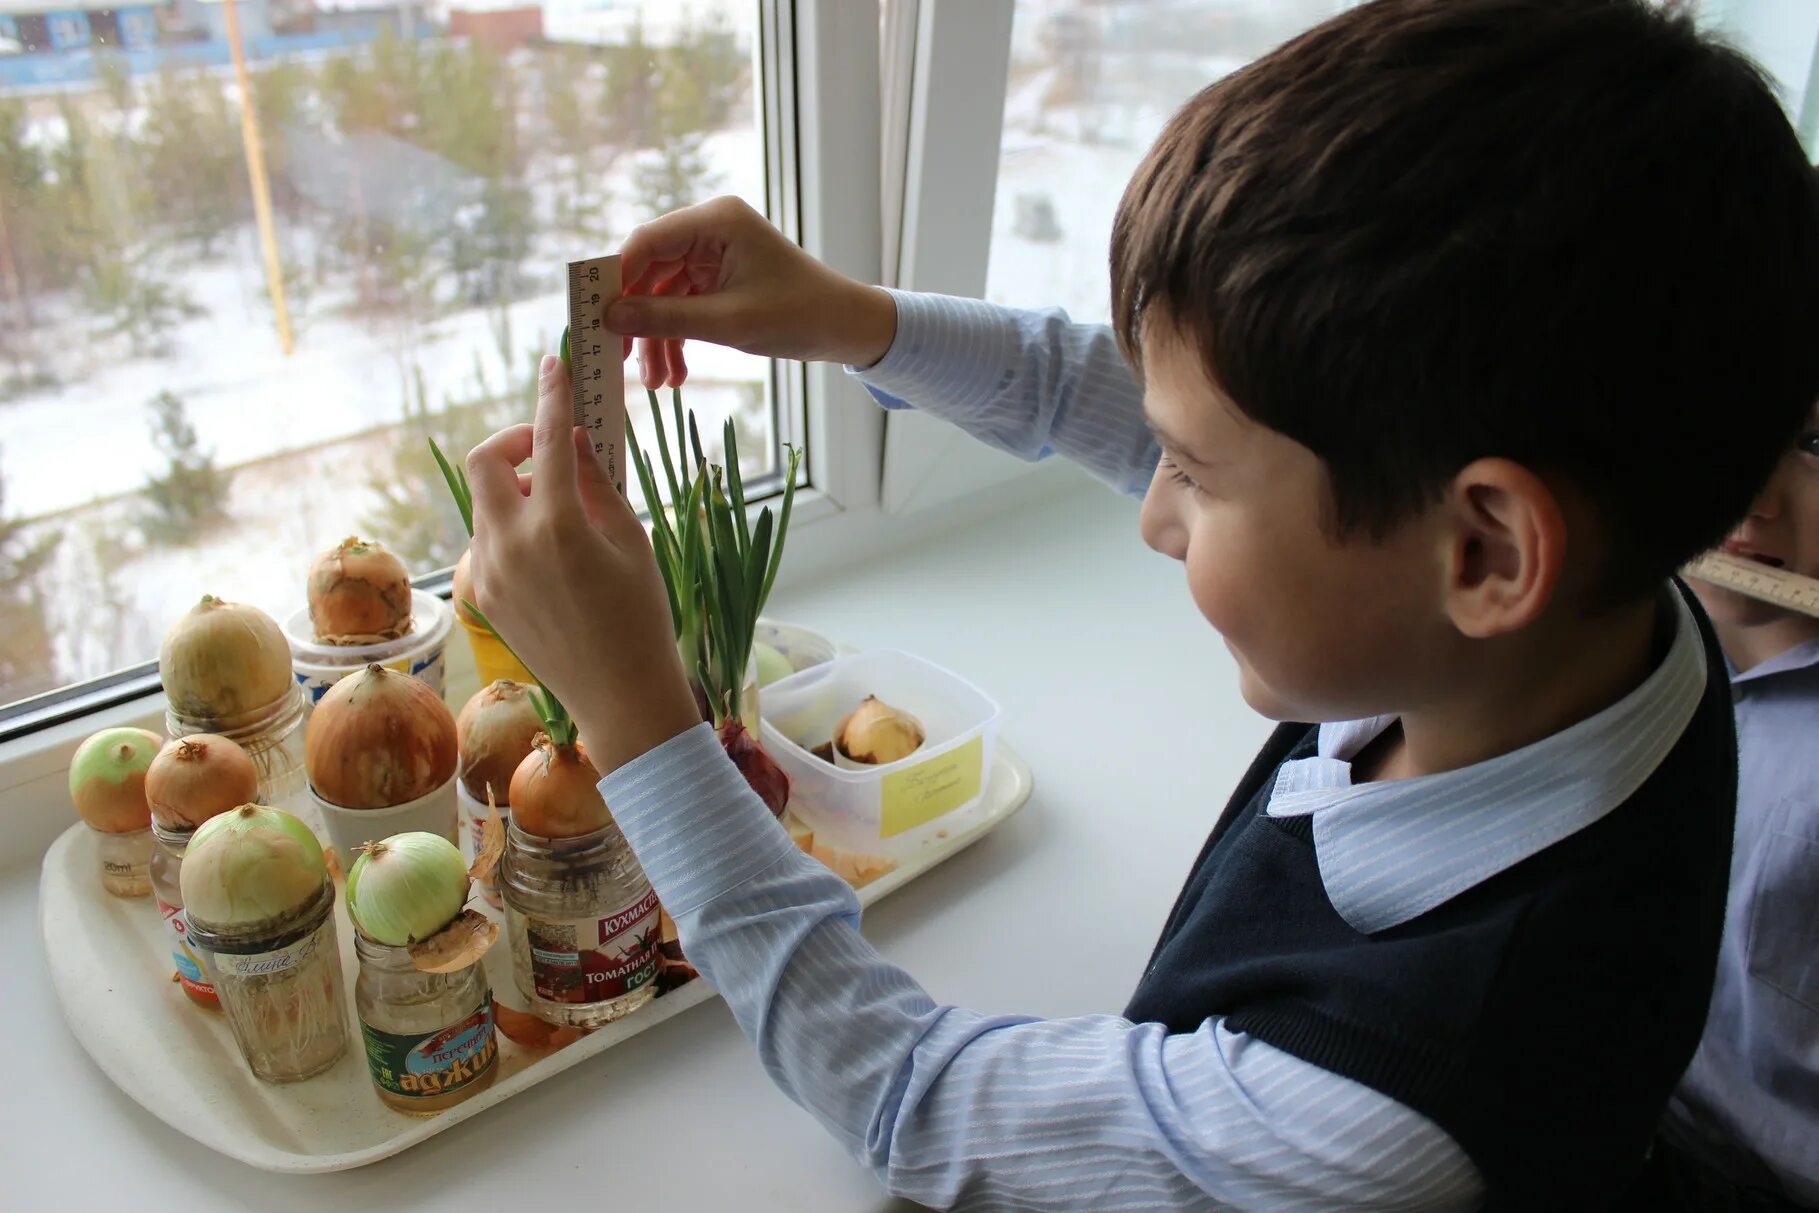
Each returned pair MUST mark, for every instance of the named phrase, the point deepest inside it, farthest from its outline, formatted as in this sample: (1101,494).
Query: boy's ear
(1506,546)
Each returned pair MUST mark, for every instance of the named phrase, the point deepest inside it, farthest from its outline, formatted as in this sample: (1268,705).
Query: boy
(1742,1130)
(1428,308)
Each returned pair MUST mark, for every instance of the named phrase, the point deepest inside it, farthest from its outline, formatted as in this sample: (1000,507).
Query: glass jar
(430,1041)
(272,737)
(582,923)
(126,862)
(280,984)
(192,963)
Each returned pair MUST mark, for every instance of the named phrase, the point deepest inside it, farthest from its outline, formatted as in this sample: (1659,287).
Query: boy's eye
(1178,476)
(1808,443)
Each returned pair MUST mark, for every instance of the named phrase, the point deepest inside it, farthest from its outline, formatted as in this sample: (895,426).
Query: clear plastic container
(419,652)
(126,862)
(280,984)
(895,808)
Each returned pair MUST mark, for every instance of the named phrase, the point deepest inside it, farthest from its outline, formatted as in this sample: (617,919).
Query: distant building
(32,26)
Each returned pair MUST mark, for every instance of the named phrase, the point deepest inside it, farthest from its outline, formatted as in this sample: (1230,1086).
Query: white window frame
(941,177)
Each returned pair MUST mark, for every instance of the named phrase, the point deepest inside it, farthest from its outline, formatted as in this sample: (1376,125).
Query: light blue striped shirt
(1750,1100)
(952,1107)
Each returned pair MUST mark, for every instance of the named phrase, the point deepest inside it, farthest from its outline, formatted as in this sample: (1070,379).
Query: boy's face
(1321,630)
(1781,530)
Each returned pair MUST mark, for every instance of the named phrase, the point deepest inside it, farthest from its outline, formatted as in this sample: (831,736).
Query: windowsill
(1118,694)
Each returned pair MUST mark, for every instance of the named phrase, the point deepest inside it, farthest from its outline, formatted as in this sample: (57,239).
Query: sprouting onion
(718,569)
(407,888)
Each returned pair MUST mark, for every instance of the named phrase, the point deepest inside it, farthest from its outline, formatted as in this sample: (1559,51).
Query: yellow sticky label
(917,795)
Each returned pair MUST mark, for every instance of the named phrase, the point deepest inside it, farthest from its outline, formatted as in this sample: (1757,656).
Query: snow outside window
(193,400)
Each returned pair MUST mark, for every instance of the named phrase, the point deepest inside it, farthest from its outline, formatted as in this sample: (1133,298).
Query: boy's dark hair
(1572,233)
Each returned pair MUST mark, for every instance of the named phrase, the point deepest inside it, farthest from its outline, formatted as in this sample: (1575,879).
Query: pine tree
(191,495)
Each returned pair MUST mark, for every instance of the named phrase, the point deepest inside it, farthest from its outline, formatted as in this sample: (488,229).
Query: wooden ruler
(1765,582)
(596,365)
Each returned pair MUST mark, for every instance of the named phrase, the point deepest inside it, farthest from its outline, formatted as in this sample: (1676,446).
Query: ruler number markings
(596,377)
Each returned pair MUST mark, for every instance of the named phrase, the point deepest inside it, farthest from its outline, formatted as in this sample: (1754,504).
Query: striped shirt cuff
(697,827)
(949,355)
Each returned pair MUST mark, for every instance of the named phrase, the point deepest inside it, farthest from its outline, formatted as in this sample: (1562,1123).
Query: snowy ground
(305,434)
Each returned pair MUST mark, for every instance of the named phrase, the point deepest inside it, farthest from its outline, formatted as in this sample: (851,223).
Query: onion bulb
(249,866)
(359,593)
(407,888)
(762,774)
(877,733)
(224,660)
(497,728)
(464,590)
(196,777)
(555,793)
(377,739)
(107,779)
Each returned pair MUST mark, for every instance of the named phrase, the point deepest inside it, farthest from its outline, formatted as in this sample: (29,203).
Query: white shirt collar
(1390,851)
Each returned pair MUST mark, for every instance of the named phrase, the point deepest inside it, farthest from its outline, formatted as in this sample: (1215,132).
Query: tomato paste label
(192,970)
(594,959)
(416,1065)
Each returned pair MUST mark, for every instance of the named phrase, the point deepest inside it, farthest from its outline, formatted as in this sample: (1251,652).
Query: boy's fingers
(551,446)
(710,317)
(492,469)
(676,236)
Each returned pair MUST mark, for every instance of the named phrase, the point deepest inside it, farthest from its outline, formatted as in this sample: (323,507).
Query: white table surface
(1117,692)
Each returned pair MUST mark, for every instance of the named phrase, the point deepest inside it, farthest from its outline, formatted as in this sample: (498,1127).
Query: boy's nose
(1160,522)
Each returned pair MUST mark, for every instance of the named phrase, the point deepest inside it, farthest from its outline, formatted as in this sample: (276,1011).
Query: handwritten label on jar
(269,964)
(191,970)
(418,1065)
(594,959)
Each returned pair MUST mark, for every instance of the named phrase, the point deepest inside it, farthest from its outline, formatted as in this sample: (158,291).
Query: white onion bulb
(248,866)
(407,888)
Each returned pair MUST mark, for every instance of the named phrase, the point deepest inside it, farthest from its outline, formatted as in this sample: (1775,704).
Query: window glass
(231,320)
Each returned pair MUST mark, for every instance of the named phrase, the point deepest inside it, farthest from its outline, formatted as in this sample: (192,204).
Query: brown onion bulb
(496,729)
(464,590)
(195,777)
(223,661)
(379,738)
(555,793)
(359,593)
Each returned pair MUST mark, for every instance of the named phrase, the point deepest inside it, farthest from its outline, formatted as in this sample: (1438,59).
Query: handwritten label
(917,795)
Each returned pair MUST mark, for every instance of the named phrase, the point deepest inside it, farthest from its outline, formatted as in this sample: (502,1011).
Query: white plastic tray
(110,962)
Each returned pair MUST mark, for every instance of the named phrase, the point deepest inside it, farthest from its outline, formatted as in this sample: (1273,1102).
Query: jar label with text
(417,1065)
(192,971)
(594,959)
(269,964)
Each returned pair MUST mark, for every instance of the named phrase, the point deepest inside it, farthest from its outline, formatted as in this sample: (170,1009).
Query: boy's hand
(720,272)
(562,567)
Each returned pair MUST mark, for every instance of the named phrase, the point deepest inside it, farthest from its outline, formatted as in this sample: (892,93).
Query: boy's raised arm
(1028,382)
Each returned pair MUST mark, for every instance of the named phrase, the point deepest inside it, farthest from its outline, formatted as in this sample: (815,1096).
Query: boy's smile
(1782,531)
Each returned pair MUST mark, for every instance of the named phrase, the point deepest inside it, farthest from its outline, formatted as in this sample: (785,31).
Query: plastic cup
(473,820)
(419,652)
(492,659)
(348,829)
